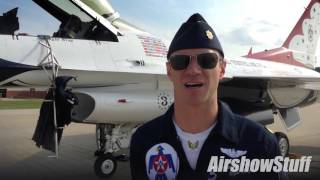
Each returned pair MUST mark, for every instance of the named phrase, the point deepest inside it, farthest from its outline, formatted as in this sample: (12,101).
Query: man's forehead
(194,51)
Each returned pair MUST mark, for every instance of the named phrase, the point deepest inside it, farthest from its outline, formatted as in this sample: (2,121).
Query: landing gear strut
(111,138)
(105,164)
(101,137)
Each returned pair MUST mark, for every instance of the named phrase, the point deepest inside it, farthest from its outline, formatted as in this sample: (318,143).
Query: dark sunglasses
(205,61)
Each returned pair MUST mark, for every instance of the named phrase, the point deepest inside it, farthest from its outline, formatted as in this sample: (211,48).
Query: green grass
(20,104)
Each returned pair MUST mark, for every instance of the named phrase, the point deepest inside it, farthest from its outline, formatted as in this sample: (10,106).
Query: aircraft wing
(253,85)
(278,78)
(260,69)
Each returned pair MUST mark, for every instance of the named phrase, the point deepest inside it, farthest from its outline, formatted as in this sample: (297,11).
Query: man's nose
(193,67)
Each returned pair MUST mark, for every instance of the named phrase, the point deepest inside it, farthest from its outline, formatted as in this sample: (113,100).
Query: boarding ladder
(50,63)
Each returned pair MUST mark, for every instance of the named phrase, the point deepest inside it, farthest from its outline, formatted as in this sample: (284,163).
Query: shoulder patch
(162,162)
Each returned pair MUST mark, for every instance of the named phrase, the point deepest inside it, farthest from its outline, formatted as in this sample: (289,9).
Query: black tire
(283,142)
(105,166)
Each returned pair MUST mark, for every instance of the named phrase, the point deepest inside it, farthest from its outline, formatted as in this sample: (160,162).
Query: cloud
(254,32)
(279,42)
(260,25)
(240,36)
(266,26)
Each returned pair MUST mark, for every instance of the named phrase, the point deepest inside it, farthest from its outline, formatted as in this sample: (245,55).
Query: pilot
(181,143)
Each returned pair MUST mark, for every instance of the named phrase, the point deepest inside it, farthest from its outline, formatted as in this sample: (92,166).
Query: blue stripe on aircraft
(9,69)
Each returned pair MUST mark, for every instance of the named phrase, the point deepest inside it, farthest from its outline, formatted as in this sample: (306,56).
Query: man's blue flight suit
(232,132)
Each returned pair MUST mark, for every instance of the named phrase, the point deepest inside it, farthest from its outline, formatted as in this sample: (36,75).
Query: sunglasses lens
(179,62)
(207,60)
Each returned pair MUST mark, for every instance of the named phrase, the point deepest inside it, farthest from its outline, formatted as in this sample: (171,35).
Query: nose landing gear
(105,165)
(110,139)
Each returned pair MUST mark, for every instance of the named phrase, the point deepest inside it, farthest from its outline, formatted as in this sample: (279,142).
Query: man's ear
(169,71)
(223,65)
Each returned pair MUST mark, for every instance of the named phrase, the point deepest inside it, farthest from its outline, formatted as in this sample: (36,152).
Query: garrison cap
(195,33)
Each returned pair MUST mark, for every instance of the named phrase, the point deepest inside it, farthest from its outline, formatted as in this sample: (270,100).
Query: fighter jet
(102,70)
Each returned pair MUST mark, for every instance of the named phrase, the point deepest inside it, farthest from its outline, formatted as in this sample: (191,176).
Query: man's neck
(195,118)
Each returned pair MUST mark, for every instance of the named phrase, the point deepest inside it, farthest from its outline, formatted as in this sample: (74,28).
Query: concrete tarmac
(21,159)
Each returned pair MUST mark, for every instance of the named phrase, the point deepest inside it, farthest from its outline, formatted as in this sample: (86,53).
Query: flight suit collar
(226,126)
(168,130)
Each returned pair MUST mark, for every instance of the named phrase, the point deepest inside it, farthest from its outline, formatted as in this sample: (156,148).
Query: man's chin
(194,101)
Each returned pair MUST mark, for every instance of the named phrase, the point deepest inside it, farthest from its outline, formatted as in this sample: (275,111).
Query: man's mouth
(193,85)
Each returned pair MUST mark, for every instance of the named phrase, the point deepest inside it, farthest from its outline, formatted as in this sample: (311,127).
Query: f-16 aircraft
(102,70)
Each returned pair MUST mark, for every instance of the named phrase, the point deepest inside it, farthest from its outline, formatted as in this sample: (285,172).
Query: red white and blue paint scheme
(121,70)
(162,162)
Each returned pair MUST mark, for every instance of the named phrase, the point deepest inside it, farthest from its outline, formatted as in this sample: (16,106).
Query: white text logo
(278,164)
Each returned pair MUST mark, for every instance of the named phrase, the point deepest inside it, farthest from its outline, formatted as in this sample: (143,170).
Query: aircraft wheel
(283,142)
(105,166)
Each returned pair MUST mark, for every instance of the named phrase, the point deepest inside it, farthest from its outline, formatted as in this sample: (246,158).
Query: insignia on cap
(209,34)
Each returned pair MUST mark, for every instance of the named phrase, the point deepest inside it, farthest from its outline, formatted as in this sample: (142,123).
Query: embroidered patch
(162,162)
(233,153)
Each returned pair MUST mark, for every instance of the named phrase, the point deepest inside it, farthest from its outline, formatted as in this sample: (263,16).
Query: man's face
(194,84)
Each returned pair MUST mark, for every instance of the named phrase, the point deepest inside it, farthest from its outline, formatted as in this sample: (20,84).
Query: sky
(239,24)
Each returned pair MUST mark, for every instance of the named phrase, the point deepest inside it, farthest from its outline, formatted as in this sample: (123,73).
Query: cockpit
(75,22)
